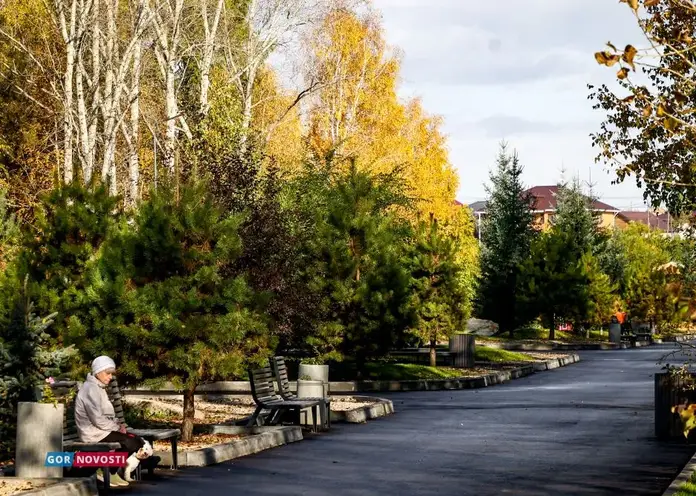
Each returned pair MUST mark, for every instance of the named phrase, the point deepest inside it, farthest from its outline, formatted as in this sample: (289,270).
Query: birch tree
(167,24)
(210,43)
(268,24)
(649,125)
(118,65)
(67,13)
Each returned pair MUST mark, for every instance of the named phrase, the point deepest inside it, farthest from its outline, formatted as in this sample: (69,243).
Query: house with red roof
(545,203)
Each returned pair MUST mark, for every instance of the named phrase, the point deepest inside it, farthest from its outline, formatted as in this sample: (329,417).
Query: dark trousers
(130,443)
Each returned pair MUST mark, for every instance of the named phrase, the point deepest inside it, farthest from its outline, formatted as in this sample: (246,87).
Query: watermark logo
(59,459)
(85,459)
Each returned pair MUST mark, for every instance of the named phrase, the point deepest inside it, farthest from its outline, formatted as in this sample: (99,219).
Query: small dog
(133,461)
(145,450)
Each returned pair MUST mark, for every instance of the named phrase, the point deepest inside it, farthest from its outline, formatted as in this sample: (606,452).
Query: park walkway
(586,429)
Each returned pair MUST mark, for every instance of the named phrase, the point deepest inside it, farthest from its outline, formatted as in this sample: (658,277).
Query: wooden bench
(281,373)
(149,434)
(265,397)
(71,438)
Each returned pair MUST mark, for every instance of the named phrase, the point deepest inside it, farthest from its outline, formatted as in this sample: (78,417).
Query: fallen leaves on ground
(9,486)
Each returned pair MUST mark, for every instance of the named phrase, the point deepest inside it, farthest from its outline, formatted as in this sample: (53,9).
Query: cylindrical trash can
(314,372)
(463,350)
(614,331)
(311,389)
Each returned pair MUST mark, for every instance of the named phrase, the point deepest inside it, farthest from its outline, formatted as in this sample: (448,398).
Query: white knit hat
(102,363)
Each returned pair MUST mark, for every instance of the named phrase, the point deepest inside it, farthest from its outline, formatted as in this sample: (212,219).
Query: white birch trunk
(209,45)
(134,142)
(168,56)
(68,25)
(96,93)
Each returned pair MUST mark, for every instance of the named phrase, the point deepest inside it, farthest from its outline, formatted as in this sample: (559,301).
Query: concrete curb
(381,408)
(555,363)
(351,387)
(74,487)
(263,438)
(683,477)
(502,345)
(679,339)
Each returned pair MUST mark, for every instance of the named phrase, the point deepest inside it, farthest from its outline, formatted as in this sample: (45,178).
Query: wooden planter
(670,391)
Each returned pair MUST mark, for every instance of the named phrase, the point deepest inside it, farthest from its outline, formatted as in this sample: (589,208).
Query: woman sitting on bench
(95,419)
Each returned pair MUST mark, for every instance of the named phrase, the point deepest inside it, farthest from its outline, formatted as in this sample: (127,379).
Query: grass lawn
(391,371)
(534,333)
(410,371)
(688,488)
(484,353)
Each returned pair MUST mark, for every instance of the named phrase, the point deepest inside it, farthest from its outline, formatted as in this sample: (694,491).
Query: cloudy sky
(514,70)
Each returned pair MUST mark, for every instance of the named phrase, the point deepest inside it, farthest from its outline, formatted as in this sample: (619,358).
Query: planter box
(669,392)
(39,430)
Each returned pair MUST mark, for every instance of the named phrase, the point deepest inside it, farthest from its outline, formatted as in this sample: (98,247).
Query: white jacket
(94,414)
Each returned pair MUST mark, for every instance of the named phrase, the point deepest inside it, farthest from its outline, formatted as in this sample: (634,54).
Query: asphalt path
(585,429)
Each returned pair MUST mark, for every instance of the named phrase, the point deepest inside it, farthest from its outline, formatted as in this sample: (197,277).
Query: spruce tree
(506,235)
(26,359)
(563,278)
(577,219)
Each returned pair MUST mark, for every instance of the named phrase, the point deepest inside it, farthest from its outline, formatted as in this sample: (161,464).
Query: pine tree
(553,283)
(439,298)
(63,243)
(354,266)
(168,301)
(507,234)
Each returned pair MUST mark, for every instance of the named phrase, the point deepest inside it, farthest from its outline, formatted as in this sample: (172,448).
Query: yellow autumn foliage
(358,114)
(277,120)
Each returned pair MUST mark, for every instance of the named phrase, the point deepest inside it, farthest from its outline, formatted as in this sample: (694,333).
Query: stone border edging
(679,339)
(464,382)
(555,363)
(350,387)
(683,477)
(380,408)
(69,487)
(503,345)
(263,438)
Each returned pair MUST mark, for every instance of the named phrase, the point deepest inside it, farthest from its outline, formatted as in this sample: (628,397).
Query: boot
(131,464)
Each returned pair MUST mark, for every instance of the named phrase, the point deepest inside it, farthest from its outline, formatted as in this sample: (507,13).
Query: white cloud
(513,69)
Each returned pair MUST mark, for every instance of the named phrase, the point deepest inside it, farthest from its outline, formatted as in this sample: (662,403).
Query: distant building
(546,203)
(544,207)
(662,221)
